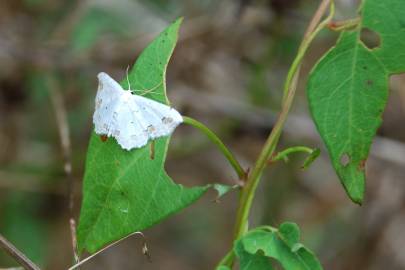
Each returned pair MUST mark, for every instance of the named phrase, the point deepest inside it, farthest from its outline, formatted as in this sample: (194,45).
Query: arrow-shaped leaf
(127,191)
(348,89)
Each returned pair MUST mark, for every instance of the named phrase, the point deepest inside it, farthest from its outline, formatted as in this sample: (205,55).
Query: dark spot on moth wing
(98,103)
(151,129)
(106,127)
(103,138)
(167,120)
(369,82)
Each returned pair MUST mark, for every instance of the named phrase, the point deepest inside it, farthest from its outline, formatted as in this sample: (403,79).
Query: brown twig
(17,255)
(64,134)
(323,7)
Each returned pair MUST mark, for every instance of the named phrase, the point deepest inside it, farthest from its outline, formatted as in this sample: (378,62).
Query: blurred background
(227,71)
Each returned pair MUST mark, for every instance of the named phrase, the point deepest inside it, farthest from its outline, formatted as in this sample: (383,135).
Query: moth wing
(161,119)
(132,120)
(107,101)
(129,127)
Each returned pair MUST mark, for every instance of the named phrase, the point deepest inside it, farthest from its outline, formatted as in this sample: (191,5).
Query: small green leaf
(348,89)
(256,247)
(290,233)
(313,154)
(311,158)
(248,261)
(223,189)
(127,191)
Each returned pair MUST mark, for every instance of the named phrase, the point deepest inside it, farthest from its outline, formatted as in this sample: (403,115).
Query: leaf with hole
(348,88)
(127,191)
(258,246)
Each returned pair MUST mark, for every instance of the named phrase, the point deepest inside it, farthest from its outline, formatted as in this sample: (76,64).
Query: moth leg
(152,150)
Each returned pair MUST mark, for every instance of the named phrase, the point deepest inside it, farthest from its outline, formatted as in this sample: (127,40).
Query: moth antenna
(151,90)
(129,85)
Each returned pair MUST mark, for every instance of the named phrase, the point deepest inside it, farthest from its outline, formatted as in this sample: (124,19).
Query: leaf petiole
(343,25)
(283,155)
(217,141)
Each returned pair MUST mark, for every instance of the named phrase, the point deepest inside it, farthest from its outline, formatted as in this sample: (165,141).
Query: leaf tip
(358,200)
(356,194)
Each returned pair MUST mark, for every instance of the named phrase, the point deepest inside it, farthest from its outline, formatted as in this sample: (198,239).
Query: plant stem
(283,154)
(66,146)
(308,37)
(17,255)
(228,257)
(344,25)
(214,138)
(248,191)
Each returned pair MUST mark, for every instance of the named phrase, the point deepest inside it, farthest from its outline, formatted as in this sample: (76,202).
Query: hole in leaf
(344,159)
(370,38)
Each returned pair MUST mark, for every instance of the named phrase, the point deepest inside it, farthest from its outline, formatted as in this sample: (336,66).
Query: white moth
(131,119)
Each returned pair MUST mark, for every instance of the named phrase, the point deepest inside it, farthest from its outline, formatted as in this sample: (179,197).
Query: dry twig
(17,255)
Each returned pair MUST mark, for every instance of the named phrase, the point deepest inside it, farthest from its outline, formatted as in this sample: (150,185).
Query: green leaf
(127,191)
(256,247)
(348,90)
(250,261)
